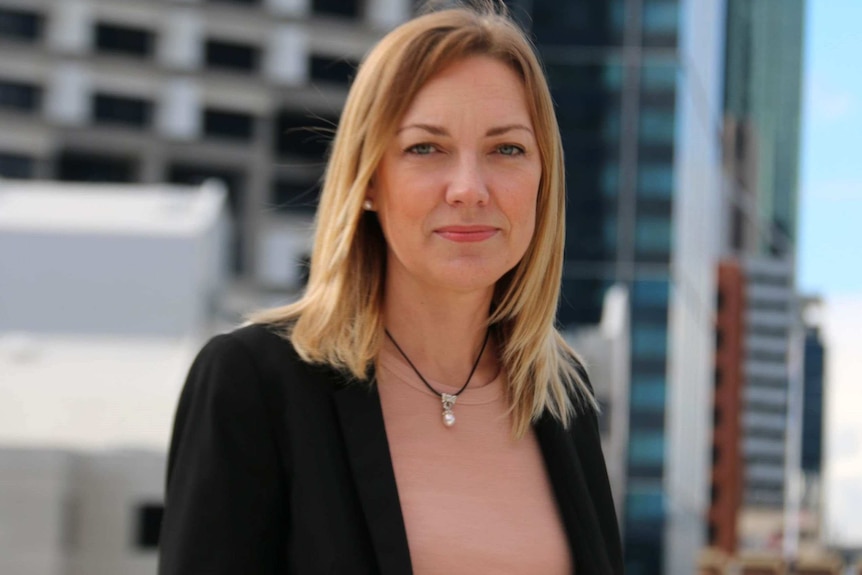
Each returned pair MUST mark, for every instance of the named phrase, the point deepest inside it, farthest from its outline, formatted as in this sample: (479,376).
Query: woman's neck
(442,333)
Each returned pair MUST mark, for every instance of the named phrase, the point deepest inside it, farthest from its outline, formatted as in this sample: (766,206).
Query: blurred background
(160,164)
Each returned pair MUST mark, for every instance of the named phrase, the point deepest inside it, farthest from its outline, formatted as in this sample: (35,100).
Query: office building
(762,93)
(245,91)
(637,85)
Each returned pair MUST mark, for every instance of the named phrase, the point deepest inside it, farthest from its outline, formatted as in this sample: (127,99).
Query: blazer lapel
(573,497)
(364,435)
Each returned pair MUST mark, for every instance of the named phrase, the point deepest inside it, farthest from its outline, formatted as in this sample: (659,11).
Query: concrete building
(179,91)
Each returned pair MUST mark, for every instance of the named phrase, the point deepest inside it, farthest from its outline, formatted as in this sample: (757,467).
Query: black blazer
(280,467)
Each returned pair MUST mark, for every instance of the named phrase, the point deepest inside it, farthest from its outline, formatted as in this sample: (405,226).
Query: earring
(368,205)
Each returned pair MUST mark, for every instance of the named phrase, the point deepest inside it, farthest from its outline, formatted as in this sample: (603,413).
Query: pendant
(448,404)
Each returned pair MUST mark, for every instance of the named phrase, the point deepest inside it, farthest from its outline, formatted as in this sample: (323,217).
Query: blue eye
(510,150)
(421,149)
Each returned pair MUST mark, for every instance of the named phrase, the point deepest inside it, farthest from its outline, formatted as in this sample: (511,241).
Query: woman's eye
(421,149)
(510,150)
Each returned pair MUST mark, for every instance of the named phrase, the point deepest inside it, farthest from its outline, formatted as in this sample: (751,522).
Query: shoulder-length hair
(338,321)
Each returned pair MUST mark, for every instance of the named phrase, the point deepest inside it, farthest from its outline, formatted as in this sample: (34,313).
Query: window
(332,70)
(649,340)
(303,135)
(655,180)
(651,293)
(660,22)
(656,126)
(645,504)
(648,392)
(339,8)
(121,110)
(652,235)
(16,166)
(658,77)
(75,166)
(610,179)
(228,125)
(125,40)
(19,96)
(234,56)
(20,24)
(149,524)
(295,196)
(646,447)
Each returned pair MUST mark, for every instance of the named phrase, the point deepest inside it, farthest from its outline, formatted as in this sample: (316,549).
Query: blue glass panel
(651,293)
(649,341)
(610,180)
(653,234)
(661,16)
(644,504)
(655,180)
(648,392)
(657,77)
(657,126)
(610,230)
(646,448)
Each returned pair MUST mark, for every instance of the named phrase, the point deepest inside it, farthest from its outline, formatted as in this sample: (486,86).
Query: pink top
(473,499)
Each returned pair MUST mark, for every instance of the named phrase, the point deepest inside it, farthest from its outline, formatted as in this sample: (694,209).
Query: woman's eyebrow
(441,131)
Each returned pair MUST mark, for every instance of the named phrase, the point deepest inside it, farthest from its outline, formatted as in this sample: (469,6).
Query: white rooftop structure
(110,258)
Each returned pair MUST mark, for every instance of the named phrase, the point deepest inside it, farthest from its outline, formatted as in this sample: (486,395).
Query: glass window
(340,8)
(16,166)
(610,229)
(644,503)
(648,392)
(295,196)
(19,96)
(233,56)
(303,135)
(651,293)
(20,24)
(332,70)
(149,523)
(73,166)
(126,40)
(649,340)
(646,447)
(121,110)
(655,180)
(610,179)
(656,126)
(653,235)
(228,124)
(612,77)
(611,127)
(657,77)
(660,17)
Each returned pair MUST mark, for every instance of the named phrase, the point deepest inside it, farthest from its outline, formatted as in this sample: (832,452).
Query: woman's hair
(338,320)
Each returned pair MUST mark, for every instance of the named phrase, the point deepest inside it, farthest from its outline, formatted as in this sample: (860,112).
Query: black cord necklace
(448,399)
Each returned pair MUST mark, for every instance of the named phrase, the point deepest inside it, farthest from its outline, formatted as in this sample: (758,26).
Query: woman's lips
(466,233)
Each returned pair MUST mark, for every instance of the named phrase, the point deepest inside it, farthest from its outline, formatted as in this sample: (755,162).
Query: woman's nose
(468,184)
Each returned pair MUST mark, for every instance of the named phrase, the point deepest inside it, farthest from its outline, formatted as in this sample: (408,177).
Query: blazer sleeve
(225,497)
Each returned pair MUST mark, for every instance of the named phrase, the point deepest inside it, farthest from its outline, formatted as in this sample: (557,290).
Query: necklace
(448,399)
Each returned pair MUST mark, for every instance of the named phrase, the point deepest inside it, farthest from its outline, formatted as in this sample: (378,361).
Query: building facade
(246,91)
(638,94)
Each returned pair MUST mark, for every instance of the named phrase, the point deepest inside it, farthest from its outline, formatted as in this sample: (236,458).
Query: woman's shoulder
(255,352)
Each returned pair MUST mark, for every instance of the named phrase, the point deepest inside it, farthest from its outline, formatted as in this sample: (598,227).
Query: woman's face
(455,192)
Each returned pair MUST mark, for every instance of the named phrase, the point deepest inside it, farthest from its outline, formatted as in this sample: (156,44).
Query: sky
(830,241)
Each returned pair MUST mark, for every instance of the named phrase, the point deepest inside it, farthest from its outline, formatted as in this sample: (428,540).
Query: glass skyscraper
(636,85)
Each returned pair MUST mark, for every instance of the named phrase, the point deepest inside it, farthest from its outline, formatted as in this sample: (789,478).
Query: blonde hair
(338,321)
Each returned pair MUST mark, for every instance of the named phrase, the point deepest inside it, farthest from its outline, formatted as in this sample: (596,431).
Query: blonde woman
(415,411)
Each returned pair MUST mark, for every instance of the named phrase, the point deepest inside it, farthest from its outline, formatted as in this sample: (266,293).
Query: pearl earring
(368,205)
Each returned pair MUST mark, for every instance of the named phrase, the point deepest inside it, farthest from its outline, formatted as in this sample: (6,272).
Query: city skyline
(830,234)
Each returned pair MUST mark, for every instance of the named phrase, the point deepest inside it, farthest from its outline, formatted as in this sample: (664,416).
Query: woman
(415,410)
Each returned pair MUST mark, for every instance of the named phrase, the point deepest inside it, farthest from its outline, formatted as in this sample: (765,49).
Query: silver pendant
(448,404)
